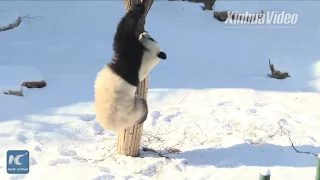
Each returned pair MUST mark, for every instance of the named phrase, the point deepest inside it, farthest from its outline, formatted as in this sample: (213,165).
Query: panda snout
(162,55)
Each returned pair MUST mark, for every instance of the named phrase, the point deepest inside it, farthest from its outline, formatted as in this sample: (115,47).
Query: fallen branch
(34,84)
(155,152)
(14,24)
(276,73)
(27,84)
(222,16)
(15,93)
(174,150)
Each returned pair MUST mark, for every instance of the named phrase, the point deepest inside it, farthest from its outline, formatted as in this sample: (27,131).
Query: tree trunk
(129,139)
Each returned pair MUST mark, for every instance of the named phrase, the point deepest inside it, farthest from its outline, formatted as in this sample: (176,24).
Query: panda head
(151,45)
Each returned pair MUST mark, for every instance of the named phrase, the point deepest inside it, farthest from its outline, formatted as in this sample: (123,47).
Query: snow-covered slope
(211,99)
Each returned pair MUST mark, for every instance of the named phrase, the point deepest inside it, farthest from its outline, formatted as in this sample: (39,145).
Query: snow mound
(316,74)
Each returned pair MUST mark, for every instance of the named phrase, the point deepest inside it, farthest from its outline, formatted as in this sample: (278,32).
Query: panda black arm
(126,30)
(128,50)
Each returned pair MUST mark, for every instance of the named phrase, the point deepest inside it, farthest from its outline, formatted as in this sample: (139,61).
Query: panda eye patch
(151,39)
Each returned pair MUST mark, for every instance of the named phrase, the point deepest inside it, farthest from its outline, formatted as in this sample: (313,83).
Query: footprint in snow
(17,177)
(104,169)
(87,117)
(33,161)
(170,117)
(128,178)
(155,115)
(260,104)
(37,146)
(22,138)
(181,166)
(65,151)
(252,111)
(59,161)
(224,103)
(104,177)
(98,129)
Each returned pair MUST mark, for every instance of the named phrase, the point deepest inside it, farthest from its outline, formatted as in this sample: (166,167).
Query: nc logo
(17,162)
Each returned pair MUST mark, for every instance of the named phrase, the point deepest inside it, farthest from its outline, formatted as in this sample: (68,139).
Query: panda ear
(142,35)
(162,55)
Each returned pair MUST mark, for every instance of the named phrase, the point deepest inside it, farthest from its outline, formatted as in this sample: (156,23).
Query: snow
(266,172)
(316,72)
(211,99)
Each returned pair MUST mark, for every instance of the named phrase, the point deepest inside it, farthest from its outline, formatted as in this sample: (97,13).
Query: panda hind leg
(144,109)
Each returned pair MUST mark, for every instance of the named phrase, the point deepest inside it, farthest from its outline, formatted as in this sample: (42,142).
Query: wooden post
(129,139)
(318,168)
(265,175)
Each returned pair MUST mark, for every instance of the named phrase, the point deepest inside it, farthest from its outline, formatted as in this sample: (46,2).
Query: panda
(116,104)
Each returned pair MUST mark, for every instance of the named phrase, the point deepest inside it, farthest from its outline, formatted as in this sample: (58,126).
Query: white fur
(116,105)
(114,101)
(150,58)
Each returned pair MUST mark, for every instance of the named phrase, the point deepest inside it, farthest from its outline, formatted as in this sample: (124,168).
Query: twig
(145,133)
(179,143)
(304,152)
(184,97)
(154,151)
(292,145)
(17,22)
(29,17)
(201,129)
(281,130)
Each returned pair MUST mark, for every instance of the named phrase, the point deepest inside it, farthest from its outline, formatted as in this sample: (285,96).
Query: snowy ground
(211,98)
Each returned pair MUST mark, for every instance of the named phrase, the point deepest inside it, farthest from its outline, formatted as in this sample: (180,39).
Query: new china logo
(18,162)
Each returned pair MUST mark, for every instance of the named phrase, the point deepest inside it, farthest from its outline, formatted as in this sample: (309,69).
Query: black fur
(128,51)
(152,39)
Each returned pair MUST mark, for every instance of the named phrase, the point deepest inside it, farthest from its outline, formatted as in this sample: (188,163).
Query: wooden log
(129,139)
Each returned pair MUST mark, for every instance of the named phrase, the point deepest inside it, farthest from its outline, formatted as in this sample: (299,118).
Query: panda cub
(116,104)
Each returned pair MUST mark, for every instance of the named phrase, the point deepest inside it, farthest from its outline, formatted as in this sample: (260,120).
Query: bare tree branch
(298,151)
